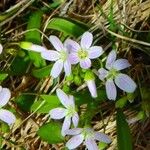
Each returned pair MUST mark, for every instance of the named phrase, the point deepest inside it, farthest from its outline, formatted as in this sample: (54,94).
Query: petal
(71,45)
(91,144)
(57,68)
(56,43)
(50,55)
(67,68)
(75,141)
(57,113)
(74,131)
(66,125)
(95,52)
(73,58)
(85,63)
(102,137)
(125,83)
(92,88)
(1,48)
(86,40)
(71,101)
(103,73)
(63,97)
(37,48)
(111,90)
(75,119)
(4,96)
(7,116)
(111,59)
(121,64)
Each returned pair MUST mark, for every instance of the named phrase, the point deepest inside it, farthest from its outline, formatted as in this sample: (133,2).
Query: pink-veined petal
(111,59)
(121,64)
(103,73)
(74,131)
(85,63)
(1,48)
(63,97)
(7,116)
(71,101)
(56,43)
(91,144)
(75,141)
(50,55)
(125,83)
(73,58)
(57,68)
(37,48)
(95,52)
(4,96)
(111,89)
(102,137)
(72,46)
(67,68)
(92,88)
(57,113)
(86,40)
(66,125)
(75,119)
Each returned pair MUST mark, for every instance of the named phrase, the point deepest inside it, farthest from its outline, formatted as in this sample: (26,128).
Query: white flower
(85,52)
(69,112)
(87,136)
(60,56)
(113,76)
(5,115)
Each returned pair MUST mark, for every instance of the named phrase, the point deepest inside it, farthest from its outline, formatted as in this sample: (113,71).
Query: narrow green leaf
(35,37)
(51,133)
(123,132)
(51,101)
(3,76)
(67,26)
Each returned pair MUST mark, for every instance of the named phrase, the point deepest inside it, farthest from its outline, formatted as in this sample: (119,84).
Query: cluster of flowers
(70,53)
(86,134)
(5,94)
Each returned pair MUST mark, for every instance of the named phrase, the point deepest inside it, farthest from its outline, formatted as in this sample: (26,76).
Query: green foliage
(25,101)
(51,132)
(124,139)
(42,72)
(3,76)
(67,26)
(35,37)
(51,101)
(121,102)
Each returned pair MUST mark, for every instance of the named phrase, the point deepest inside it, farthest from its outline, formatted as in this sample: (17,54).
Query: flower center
(63,55)
(112,74)
(82,54)
(71,111)
(88,133)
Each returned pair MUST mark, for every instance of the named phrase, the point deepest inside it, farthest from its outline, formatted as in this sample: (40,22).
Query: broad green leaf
(121,102)
(24,102)
(3,76)
(35,37)
(124,139)
(51,101)
(42,72)
(51,133)
(67,26)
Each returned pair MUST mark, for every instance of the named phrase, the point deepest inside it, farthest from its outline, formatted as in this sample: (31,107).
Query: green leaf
(124,139)
(3,76)
(35,37)
(42,72)
(25,102)
(51,133)
(121,102)
(51,102)
(67,26)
